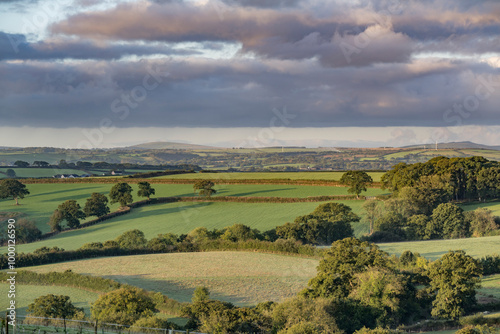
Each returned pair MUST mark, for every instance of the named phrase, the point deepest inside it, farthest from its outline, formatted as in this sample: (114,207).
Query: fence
(39,325)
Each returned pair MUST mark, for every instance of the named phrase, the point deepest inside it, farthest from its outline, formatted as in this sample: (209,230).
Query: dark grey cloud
(16,46)
(217,93)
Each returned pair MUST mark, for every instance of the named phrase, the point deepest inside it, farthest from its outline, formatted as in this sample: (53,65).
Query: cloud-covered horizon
(231,63)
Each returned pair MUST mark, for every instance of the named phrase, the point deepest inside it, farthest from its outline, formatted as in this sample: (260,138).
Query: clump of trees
(474,178)
(327,223)
(55,306)
(395,220)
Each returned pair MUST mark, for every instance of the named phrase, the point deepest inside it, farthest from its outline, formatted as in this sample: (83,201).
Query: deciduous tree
(96,205)
(204,188)
(358,181)
(145,190)
(454,278)
(54,306)
(13,188)
(121,193)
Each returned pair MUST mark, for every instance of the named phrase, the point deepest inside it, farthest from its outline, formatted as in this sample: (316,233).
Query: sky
(93,73)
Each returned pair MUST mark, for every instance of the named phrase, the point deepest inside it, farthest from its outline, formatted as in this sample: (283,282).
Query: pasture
(183,217)
(434,249)
(27,293)
(44,198)
(243,278)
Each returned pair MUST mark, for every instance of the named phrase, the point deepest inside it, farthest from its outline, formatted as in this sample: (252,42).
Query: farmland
(239,277)
(185,216)
(45,198)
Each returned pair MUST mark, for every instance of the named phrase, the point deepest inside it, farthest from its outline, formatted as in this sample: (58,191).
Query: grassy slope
(183,217)
(26,294)
(45,198)
(239,277)
(490,287)
(433,249)
(332,176)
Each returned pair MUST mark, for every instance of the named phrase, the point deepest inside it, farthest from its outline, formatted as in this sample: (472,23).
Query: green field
(434,249)
(242,278)
(330,176)
(26,294)
(45,198)
(183,217)
(490,288)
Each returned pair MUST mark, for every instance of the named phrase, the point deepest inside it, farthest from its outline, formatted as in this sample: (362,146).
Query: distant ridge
(163,145)
(456,145)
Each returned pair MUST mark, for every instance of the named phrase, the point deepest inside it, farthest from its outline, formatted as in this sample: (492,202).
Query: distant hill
(163,145)
(457,145)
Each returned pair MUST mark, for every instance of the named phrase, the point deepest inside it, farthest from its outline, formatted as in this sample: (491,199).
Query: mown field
(45,198)
(330,176)
(434,249)
(183,217)
(242,278)
(26,294)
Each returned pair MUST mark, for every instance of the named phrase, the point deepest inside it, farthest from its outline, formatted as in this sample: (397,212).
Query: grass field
(331,176)
(242,278)
(45,198)
(26,294)
(183,217)
(490,287)
(434,249)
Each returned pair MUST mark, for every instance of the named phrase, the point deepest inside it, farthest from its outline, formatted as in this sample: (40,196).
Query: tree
(200,294)
(296,312)
(336,212)
(145,190)
(132,239)
(357,181)
(380,289)
(121,193)
(204,188)
(55,221)
(13,188)
(22,164)
(123,306)
(372,212)
(454,278)
(481,221)
(11,174)
(96,205)
(54,306)
(448,221)
(391,222)
(416,227)
(26,231)
(340,263)
(238,232)
(71,212)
